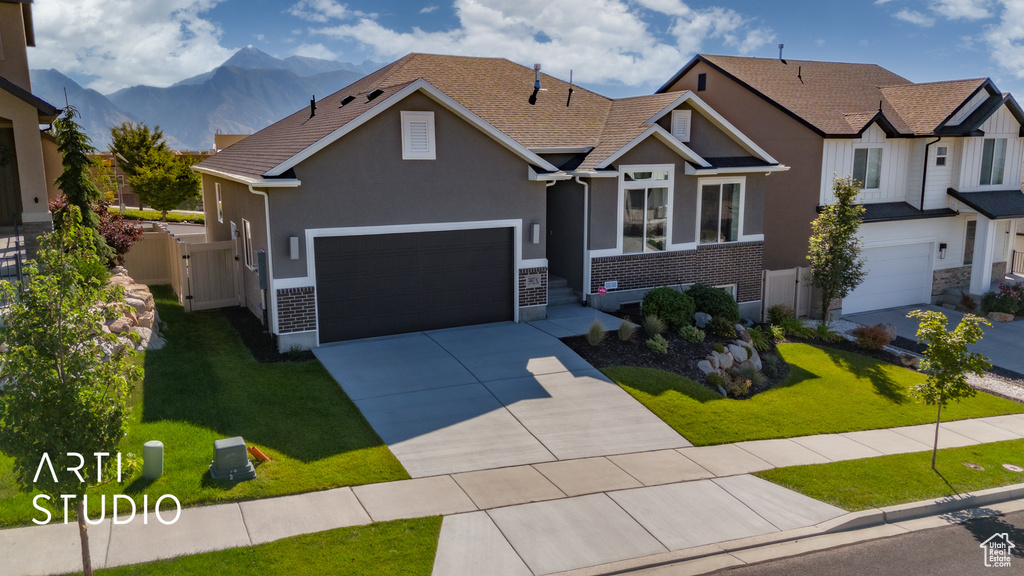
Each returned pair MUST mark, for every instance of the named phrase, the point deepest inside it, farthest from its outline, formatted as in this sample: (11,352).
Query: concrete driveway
(489,396)
(1003,342)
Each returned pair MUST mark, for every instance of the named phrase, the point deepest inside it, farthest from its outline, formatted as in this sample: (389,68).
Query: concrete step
(562,300)
(556,282)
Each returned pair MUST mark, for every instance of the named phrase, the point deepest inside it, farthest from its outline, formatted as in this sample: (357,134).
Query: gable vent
(346,100)
(681,124)
(419,137)
(373,95)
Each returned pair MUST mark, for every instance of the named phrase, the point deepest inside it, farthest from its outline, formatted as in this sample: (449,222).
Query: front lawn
(397,548)
(206,385)
(902,478)
(826,391)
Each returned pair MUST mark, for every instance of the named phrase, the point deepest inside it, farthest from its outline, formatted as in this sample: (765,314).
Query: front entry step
(559,292)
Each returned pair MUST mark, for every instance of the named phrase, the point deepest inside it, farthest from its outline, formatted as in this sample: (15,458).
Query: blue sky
(617,47)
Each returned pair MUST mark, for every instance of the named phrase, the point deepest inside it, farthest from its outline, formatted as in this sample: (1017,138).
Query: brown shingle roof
(494,89)
(923,107)
(626,120)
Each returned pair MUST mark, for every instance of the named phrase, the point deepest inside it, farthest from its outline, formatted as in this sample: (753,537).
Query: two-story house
(940,166)
(25,177)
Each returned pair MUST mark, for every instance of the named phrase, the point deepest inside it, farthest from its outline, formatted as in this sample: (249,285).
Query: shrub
(737,387)
(714,301)
(826,333)
(626,330)
(715,379)
(691,334)
(967,302)
(780,312)
(719,348)
(595,334)
(770,366)
(778,332)
(796,327)
(751,374)
(653,325)
(119,234)
(759,339)
(658,344)
(1009,299)
(672,306)
(721,328)
(872,337)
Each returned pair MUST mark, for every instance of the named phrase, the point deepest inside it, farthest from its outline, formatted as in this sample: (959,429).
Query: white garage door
(896,276)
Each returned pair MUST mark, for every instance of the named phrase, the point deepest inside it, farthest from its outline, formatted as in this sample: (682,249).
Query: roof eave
(660,133)
(248,180)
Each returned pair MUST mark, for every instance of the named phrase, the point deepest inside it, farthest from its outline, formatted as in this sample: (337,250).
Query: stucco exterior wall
(14,63)
(29,151)
(790,197)
(705,138)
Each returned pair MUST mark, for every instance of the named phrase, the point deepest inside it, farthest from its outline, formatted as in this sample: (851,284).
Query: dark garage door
(394,283)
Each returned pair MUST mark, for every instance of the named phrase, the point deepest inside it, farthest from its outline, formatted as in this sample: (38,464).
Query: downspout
(586,251)
(272,307)
(924,174)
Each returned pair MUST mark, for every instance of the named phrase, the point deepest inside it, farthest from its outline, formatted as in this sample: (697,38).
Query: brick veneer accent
(533,296)
(711,264)
(296,310)
(998,271)
(950,278)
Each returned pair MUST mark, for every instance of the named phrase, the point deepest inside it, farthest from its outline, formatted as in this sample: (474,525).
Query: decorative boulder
(722,391)
(705,367)
(739,353)
(909,360)
(755,359)
(120,325)
(701,319)
(725,361)
(1000,317)
(890,331)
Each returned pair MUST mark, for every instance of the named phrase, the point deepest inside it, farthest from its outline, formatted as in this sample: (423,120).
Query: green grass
(205,385)
(131,214)
(901,478)
(398,548)
(826,391)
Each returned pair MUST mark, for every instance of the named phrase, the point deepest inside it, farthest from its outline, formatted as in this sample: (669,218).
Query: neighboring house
(432,193)
(27,167)
(940,163)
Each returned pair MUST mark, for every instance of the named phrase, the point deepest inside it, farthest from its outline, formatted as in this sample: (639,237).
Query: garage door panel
(394,283)
(895,276)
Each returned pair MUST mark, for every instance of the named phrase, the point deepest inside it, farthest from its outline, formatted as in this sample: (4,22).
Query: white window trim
(945,157)
(688,114)
(881,161)
(981,159)
(619,211)
(740,237)
(730,289)
(247,247)
(407,153)
(220,203)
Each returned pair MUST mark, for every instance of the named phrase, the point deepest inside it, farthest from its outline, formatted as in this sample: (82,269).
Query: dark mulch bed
(681,359)
(262,345)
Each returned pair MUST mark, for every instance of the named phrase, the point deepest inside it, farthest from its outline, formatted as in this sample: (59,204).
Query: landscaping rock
(755,359)
(739,353)
(744,336)
(1000,317)
(120,281)
(890,331)
(705,367)
(909,360)
(701,319)
(147,319)
(722,391)
(119,325)
(137,304)
(118,271)
(713,360)
(725,361)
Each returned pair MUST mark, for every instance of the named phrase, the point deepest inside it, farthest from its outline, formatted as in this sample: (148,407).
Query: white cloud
(819,42)
(1006,39)
(126,42)
(880,2)
(428,9)
(320,10)
(613,44)
(962,9)
(314,51)
(914,17)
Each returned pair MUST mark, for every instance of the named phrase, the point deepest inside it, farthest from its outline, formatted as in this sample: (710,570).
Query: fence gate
(210,273)
(791,287)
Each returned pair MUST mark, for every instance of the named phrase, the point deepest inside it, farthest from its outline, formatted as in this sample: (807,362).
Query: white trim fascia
(533,263)
(419,85)
(517,246)
(534,176)
(607,252)
(666,138)
(691,171)
(254,182)
(297,282)
(576,150)
(718,120)
(750,238)
(594,174)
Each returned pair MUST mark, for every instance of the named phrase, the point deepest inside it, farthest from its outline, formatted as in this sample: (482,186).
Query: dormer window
(681,124)
(993,161)
(867,167)
(418,136)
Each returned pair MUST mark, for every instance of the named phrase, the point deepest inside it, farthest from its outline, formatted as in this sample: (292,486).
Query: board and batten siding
(1002,124)
(972,105)
(940,178)
(837,161)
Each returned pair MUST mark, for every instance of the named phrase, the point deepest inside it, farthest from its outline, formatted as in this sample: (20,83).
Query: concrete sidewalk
(532,519)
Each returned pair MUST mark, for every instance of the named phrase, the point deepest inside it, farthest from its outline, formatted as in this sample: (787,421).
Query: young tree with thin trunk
(65,383)
(947,361)
(76,179)
(835,250)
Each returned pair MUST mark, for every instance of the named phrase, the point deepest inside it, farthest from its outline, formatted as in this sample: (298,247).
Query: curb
(848,523)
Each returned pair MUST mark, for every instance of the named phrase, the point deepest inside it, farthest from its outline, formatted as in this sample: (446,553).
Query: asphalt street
(951,550)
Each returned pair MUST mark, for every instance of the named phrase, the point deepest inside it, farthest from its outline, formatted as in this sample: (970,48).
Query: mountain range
(248,92)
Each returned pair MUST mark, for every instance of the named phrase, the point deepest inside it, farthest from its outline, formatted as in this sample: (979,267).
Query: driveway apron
(489,396)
